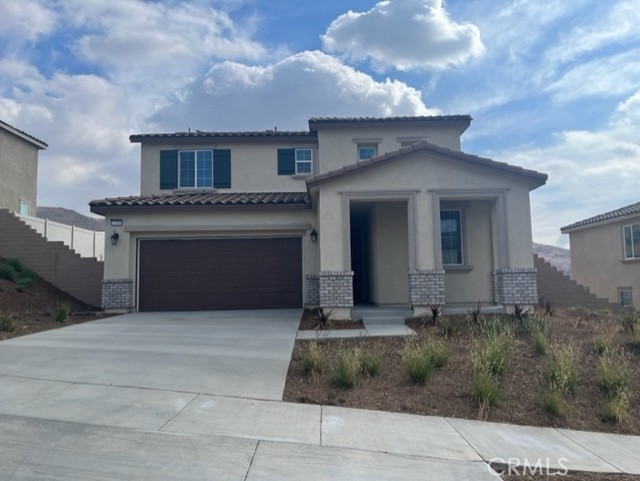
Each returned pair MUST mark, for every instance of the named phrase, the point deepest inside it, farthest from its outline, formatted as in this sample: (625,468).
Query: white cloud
(405,34)
(590,172)
(609,76)
(25,20)
(85,120)
(286,94)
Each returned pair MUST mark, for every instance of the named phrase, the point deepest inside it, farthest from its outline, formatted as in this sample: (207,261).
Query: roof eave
(39,144)
(106,209)
(568,229)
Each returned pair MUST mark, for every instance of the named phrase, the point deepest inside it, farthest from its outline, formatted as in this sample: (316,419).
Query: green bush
(562,369)
(614,372)
(540,343)
(27,274)
(418,363)
(16,264)
(492,354)
(438,351)
(494,326)
(346,367)
(7,324)
(553,402)
(370,364)
(312,359)
(616,408)
(7,272)
(630,320)
(23,283)
(61,314)
(485,388)
(537,323)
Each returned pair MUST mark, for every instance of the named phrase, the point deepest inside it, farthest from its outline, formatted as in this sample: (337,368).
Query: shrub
(7,324)
(7,272)
(629,320)
(540,343)
(23,283)
(614,372)
(436,310)
(616,408)
(553,402)
(324,318)
(15,263)
(520,313)
(562,370)
(27,274)
(492,354)
(634,342)
(418,363)
(61,314)
(537,323)
(370,364)
(485,389)
(452,327)
(438,351)
(602,345)
(494,326)
(346,367)
(475,314)
(312,359)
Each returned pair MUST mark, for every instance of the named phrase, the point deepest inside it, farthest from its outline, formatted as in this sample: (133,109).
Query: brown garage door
(201,274)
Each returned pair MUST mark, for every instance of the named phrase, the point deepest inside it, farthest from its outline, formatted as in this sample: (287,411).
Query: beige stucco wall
(254,166)
(422,176)
(338,145)
(18,172)
(473,281)
(389,253)
(211,223)
(597,261)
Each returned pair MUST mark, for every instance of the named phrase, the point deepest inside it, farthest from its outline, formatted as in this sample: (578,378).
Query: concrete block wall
(336,288)
(426,288)
(52,261)
(560,290)
(117,294)
(515,286)
(312,289)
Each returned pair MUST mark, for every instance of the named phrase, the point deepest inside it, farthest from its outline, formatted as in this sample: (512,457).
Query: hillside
(557,256)
(70,217)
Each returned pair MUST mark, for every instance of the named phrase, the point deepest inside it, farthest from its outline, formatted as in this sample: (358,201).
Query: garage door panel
(194,274)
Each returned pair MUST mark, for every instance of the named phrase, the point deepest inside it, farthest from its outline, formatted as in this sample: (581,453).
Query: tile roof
(218,199)
(406,118)
(25,136)
(199,134)
(614,214)
(425,145)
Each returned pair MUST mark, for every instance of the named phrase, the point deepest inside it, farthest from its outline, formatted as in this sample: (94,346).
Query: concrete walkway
(70,424)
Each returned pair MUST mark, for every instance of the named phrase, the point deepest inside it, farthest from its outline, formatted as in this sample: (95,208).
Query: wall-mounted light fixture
(114,238)
(313,235)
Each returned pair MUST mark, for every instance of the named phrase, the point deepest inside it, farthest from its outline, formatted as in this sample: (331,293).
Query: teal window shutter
(286,161)
(222,168)
(168,169)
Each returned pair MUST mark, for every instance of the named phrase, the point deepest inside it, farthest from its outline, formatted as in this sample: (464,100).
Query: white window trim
(310,161)
(25,202)
(367,146)
(462,253)
(625,289)
(634,255)
(195,178)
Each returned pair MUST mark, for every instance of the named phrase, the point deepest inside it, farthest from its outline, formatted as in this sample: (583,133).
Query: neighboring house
(384,211)
(18,169)
(605,254)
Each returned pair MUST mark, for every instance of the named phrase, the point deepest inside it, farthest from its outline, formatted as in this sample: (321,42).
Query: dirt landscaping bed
(523,389)
(31,309)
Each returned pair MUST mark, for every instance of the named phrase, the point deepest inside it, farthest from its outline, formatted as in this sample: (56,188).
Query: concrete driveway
(230,353)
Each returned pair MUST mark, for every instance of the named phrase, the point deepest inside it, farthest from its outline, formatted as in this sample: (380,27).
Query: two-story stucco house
(18,169)
(605,254)
(384,211)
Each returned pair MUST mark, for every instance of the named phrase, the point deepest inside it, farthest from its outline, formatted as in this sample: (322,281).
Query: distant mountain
(556,256)
(70,217)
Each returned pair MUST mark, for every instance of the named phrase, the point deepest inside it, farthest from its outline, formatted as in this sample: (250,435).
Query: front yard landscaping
(576,369)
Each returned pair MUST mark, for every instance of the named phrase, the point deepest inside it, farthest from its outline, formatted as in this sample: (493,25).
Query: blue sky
(552,86)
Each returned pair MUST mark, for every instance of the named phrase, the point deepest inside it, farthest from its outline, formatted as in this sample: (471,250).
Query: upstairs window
(631,241)
(366,151)
(451,237)
(304,161)
(195,169)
